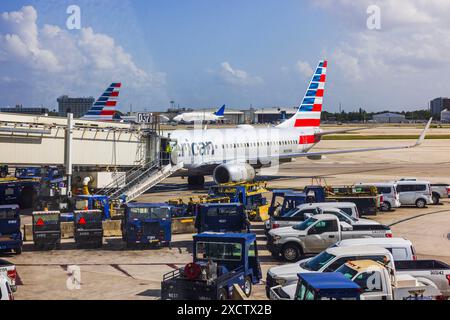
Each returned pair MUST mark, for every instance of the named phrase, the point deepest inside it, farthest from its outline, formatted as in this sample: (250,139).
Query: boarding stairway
(138,180)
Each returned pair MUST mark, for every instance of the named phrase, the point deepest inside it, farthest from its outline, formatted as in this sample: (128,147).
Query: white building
(389,117)
(445,115)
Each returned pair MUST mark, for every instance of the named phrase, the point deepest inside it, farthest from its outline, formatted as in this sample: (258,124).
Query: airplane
(233,154)
(188,117)
(104,109)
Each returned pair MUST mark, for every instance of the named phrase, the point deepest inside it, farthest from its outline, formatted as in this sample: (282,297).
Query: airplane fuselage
(256,146)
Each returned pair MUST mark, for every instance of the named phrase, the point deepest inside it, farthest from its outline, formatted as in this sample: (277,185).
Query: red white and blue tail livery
(105,106)
(309,111)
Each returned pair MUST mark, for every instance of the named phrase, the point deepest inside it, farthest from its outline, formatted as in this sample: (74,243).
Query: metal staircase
(139,180)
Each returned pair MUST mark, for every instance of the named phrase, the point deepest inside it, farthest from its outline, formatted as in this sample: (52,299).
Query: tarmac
(114,272)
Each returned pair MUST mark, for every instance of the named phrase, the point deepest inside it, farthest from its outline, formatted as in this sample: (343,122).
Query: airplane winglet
(423,134)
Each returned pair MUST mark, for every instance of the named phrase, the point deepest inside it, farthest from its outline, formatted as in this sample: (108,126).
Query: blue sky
(241,53)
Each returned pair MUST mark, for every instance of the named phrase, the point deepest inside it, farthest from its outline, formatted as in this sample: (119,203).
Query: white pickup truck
(327,261)
(318,233)
(8,271)
(5,289)
(430,272)
(376,280)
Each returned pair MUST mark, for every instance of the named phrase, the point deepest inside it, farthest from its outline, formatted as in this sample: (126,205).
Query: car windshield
(316,263)
(218,251)
(305,224)
(149,213)
(349,273)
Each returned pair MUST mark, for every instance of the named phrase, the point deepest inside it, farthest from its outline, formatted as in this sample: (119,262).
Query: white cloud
(55,61)
(237,77)
(405,62)
(304,68)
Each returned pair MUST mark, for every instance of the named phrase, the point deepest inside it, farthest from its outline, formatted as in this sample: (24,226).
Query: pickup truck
(439,191)
(308,210)
(316,234)
(8,271)
(327,261)
(376,281)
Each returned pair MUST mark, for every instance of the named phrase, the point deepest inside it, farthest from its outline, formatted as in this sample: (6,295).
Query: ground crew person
(168,152)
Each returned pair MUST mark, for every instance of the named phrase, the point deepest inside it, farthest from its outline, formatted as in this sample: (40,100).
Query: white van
(400,248)
(416,193)
(388,190)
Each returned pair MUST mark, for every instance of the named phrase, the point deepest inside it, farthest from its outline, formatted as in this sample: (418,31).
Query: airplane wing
(324,133)
(320,153)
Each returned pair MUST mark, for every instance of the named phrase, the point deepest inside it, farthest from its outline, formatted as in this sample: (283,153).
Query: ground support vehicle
(88,228)
(222,217)
(221,260)
(250,194)
(147,224)
(316,234)
(22,192)
(95,202)
(285,201)
(46,229)
(388,190)
(318,286)
(9,273)
(180,208)
(10,233)
(366,198)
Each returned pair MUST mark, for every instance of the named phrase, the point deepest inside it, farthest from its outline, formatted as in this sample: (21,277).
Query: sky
(205,53)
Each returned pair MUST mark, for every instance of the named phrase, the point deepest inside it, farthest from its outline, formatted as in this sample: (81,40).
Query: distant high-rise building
(77,106)
(438,105)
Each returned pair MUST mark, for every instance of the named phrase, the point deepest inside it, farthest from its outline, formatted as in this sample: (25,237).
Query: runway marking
(117,267)
(418,216)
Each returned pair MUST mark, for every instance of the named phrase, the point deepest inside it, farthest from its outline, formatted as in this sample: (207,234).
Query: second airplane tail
(309,111)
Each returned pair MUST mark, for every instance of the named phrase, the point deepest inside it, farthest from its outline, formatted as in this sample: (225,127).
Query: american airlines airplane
(189,117)
(104,109)
(233,154)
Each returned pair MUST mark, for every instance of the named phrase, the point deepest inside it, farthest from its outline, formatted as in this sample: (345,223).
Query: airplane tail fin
(105,106)
(309,111)
(221,111)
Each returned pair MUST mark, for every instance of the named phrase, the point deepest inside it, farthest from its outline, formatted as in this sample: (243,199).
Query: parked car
(316,234)
(438,190)
(388,190)
(5,289)
(401,249)
(414,193)
(327,261)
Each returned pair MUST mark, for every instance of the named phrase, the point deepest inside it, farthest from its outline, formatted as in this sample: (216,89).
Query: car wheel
(222,295)
(18,250)
(248,286)
(420,203)
(291,252)
(435,198)
(386,206)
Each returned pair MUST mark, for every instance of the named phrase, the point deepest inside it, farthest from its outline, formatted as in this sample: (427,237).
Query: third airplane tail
(308,113)
(220,112)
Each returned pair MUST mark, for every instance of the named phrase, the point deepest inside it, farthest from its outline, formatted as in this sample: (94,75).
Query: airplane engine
(233,173)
